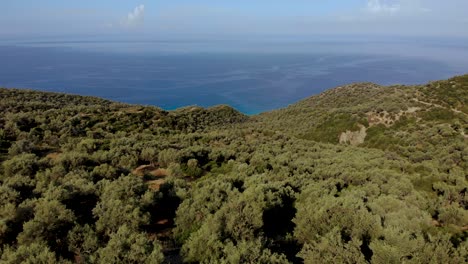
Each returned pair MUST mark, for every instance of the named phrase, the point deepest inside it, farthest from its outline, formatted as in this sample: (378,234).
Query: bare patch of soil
(53,155)
(354,138)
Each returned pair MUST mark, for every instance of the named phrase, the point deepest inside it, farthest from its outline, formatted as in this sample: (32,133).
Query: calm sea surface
(171,75)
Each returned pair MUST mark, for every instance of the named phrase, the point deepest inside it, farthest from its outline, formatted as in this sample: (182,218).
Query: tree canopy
(358,174)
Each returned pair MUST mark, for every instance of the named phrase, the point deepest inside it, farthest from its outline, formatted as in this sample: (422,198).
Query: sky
(188,19)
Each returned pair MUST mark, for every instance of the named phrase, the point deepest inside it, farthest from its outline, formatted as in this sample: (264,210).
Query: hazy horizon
(242,18)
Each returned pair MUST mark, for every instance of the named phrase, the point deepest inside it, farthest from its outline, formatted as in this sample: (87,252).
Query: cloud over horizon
(241,18)
(379,6)
(136,17)
(396,7)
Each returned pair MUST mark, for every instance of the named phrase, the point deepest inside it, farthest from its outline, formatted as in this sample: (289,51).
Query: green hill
(326,116)
(358,174)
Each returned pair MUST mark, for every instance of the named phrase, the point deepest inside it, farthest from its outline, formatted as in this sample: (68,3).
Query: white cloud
(135,17)
(396,7)
(382,7)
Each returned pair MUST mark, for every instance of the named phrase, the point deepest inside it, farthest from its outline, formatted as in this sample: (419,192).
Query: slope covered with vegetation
(358,174)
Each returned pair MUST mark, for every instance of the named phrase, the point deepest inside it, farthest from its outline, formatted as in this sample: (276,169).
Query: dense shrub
(87,180)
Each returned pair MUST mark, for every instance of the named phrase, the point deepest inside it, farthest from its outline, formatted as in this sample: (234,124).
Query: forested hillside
(358,174)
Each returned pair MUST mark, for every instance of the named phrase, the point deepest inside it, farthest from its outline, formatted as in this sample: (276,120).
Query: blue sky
(223,18)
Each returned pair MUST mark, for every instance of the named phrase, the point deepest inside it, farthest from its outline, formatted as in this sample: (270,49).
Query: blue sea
(252,77)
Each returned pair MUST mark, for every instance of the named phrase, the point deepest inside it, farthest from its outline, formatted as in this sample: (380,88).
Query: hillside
(371,105)
(414,121)
(358,174)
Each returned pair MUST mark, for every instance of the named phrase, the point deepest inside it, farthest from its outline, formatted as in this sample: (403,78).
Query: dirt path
(163,225)
(439,106)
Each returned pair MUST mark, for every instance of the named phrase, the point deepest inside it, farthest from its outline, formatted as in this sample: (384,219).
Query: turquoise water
(252,81)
